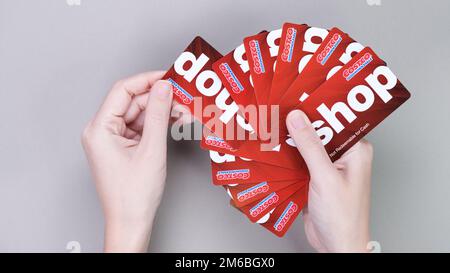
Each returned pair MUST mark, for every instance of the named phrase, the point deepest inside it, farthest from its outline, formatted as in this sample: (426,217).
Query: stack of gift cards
(243,98)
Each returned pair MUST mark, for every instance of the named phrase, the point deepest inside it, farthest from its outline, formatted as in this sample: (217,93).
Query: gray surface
(58,61)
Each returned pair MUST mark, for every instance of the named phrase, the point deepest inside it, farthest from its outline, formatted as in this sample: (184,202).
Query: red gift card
(336,50)
(297,44)
(259,210)
(262,50)
(184,74)
(233,70)
(198,87)
(353,101)
(280,220)
(243,195)
(230,169)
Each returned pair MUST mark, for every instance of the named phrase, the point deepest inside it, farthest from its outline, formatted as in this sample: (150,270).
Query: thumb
(157,113)
(308,143)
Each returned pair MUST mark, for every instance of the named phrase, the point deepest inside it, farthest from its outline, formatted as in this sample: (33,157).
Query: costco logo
(255,53)
(350,72)
(331,46)
(233,174)
(231,78)
(253,191)
(264,204)
(285,216)
(180,92)
(289,43)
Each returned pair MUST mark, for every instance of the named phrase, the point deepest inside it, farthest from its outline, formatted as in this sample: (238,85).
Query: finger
(131,134)
(357,161)
(137,106)
(308,143)
(157,113)
(138,124)
(119,98)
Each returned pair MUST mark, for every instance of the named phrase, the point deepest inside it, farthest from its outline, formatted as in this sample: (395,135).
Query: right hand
(337,216)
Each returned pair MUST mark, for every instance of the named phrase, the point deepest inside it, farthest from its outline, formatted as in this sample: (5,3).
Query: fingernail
(298,119)
(163,90)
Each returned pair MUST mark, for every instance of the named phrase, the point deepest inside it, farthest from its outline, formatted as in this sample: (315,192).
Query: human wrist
(355,243)
(127,235)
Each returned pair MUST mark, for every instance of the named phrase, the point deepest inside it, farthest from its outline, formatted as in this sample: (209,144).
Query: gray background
(57,62)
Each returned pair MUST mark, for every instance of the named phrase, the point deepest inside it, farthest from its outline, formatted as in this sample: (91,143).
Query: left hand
(126,145)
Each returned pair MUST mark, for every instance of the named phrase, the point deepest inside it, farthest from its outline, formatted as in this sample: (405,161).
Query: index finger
(119,98)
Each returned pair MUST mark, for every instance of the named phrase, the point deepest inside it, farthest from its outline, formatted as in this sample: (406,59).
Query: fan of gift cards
(344,88)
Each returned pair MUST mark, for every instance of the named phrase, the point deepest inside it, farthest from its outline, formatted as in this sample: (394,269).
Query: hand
(337,216)
(126,146)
